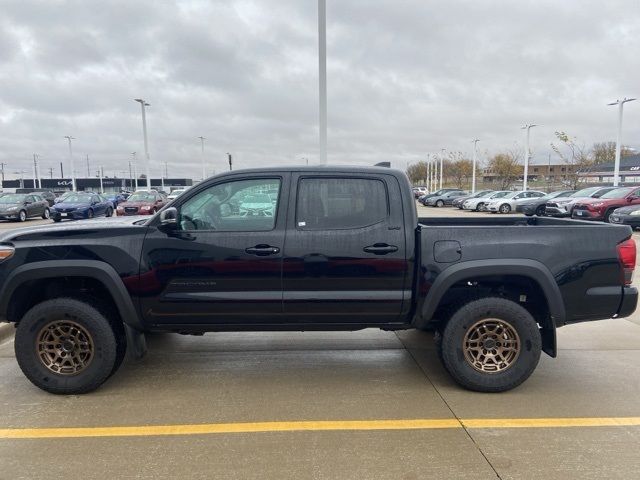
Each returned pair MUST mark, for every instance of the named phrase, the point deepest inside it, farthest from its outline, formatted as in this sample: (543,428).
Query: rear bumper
(629,301)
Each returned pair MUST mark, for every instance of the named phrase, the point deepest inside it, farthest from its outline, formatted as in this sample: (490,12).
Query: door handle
(262,250)
(380,249)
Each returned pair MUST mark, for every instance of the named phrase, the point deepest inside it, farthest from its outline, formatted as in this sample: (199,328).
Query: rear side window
(340,203)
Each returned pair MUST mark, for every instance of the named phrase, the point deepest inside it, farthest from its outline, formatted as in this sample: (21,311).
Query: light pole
(322,77)
(73,172)
(204,173)
(144,104)
(527,154)
(429,172)
(135,174)
(441,165)
(101,175)
(475,160)
(616,167)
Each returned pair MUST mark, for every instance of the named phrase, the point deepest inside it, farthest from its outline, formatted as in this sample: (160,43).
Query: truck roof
(320,168)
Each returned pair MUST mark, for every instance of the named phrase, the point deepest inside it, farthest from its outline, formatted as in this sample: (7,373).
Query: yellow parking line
(314,426)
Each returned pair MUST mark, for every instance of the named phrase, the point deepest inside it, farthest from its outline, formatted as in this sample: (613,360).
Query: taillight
(627,257)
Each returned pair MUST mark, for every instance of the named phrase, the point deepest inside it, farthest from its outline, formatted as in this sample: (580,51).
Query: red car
(601,208)
(141,203)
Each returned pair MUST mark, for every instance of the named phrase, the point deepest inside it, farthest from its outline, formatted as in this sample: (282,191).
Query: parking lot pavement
(7,225)
(221,383)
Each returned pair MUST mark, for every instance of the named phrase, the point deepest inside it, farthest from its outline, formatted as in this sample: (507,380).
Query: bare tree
(577,158)
(417,173)
(459,169)
(506,168)
(605,152)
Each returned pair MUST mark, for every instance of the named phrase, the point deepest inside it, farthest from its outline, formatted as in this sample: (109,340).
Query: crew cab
(342,249)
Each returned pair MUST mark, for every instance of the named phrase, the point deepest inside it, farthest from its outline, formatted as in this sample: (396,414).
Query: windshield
(75,198)
(12,198)
(482,194)
(563,193)
(585,192)
(499,194)
(257,199)
(142,197)
(617,193)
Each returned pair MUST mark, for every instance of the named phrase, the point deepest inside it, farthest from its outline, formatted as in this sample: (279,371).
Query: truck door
(223,264)
(344,254)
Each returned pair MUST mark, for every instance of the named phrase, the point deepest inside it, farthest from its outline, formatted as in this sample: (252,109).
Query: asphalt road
(354,405)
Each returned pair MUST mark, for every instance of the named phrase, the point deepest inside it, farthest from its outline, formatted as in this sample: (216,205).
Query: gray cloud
(405,78)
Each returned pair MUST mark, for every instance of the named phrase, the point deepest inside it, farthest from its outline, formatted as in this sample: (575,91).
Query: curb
(7,330)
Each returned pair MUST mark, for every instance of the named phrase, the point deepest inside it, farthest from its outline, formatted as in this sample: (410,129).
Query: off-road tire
(107,353)
(453,344)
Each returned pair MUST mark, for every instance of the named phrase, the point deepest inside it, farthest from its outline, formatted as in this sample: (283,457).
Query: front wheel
(66,346)
(46,214)
(109,212)
(90,214)
(540,211)
(505,208)
(439,203)
(481,207)
(491,345)
(22,216)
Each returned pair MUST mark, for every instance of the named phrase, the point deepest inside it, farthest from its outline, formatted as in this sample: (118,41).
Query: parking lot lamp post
(101,175)
(204,173)
(616,165)
(144,104)
(434,172)
(428,173)
(322,78)
(527,154)
(441,165)
(475,161)
(73,174)
(135,175)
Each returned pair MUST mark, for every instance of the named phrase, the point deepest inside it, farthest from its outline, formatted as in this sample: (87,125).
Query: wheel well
(519,288)
(32,292)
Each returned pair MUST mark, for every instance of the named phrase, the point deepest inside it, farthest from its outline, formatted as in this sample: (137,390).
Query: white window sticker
(302,224)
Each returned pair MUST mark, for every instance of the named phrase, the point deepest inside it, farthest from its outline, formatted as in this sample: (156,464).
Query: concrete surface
(366,375)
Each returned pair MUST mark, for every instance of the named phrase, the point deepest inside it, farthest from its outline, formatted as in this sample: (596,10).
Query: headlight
(635,213)
(597,204)
(145,207)
(120,208)
(562,202)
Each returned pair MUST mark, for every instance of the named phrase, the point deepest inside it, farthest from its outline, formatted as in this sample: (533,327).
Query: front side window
(237,206)
(340,203)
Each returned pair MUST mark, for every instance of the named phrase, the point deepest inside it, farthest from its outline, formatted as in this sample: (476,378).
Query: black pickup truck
(313,248)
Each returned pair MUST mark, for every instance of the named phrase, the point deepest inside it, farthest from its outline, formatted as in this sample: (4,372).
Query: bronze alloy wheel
(491,345)
(64,347)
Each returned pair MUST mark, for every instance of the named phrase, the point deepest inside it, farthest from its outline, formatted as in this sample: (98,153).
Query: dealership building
(603,172)
(96,184)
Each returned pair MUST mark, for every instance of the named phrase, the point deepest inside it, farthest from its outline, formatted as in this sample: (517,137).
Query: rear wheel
(66,346)
(491,345)
(90,214)
(109,212)
(607,215)
(439,203)
(505,208)
(481,207)
(540,211)
(46,214)
(22,216)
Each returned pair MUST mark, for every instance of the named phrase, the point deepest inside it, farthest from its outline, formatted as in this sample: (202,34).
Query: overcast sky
(405,78)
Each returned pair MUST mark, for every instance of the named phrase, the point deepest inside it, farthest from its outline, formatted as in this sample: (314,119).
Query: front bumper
(586,215)
(493,208)
(75,215)
(556,211)
(624,219)
(9,216)
(526,209)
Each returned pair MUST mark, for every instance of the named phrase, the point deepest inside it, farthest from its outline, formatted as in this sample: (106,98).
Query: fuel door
(447,251)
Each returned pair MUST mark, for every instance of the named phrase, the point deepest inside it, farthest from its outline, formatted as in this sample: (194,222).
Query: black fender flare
(101,271)
(532,269)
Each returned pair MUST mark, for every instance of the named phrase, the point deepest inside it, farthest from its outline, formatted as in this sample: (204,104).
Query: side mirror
(631,198)
(169,218)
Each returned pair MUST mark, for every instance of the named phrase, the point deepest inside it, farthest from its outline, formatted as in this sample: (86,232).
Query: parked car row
(607,204)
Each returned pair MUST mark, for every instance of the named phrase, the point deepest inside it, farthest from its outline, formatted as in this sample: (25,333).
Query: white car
(479,204)
(508,203)
(176,193)
(259,204)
